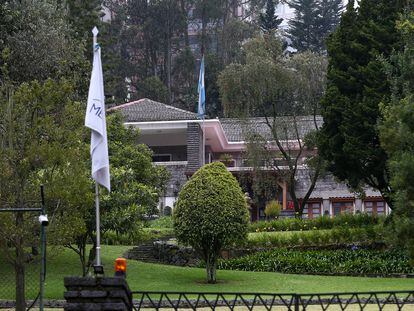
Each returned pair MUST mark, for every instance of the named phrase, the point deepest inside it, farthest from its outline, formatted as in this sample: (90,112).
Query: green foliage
(269,21)
(83,16)
(162,222)
(396,133)
(40,143)
(38,45)
(338,236)
(314,20)
(321,262)
(303,28)
(279,89)
(273,209)
(211,213)
(152,88)
(357,84)
(136,183)
(324,222)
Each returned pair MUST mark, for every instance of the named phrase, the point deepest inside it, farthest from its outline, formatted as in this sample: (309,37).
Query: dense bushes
(162,223)
(327,261)
(340,235)
(324,222)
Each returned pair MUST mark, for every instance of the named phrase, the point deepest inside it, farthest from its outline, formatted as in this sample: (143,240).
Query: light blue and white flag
(201,92)
(95,120)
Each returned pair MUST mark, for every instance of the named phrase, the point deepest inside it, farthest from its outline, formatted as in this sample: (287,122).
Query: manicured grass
(154,277)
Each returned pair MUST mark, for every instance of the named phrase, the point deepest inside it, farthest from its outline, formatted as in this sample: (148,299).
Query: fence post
(296,301)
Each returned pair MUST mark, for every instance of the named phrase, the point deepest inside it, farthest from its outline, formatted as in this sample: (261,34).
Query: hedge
(341,235)
(323,222)
(323,262)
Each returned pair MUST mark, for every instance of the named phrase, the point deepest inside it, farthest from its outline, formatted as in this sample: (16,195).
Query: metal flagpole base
(98,270)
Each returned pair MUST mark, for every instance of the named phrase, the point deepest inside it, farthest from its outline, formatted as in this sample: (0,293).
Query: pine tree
(269,21)
(397,132)
(357,84)
(303,28)
(329,15)
(83,16)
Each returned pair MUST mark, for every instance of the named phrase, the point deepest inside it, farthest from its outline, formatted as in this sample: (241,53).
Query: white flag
(95,120)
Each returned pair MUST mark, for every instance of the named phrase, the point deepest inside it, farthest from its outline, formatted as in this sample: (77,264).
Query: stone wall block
(105,293)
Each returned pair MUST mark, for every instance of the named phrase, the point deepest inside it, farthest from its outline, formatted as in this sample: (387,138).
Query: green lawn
(153,277)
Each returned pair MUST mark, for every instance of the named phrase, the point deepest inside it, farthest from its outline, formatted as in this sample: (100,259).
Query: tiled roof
(326,187)
(148,110)
(239,129)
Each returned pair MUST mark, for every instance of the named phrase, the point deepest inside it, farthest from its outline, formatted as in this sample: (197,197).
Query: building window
(161,158)
(312,210)
(342,208)
(374,207)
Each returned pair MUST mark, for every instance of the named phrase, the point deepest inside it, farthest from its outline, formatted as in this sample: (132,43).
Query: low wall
(100,293)
(173,254)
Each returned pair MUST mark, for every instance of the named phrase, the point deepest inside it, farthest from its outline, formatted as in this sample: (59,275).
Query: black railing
(397,300)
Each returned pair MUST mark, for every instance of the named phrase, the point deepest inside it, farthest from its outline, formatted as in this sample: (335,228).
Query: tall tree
(40,46)
(213,202)
(40,143)
(329,15)
(303,27)
(269,21)
(83,16)
(280,91)
(356,85)
(397,132)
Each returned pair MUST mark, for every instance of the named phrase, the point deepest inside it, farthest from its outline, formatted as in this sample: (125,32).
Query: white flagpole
(204,143)
(95,120)
(98,227)
(98,223)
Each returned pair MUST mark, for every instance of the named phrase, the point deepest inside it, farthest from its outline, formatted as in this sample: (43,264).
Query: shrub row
(323,222)
(336,262)
(340,235)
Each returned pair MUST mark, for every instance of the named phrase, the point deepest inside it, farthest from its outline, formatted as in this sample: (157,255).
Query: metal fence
(22,231)
(32,266)
(367,301)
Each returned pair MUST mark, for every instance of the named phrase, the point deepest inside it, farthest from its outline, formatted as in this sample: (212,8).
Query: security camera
(43,220)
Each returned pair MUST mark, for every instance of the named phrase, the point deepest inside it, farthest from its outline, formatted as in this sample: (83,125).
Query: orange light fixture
(120,267)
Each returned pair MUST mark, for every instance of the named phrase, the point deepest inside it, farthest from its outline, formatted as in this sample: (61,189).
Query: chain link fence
(20,228)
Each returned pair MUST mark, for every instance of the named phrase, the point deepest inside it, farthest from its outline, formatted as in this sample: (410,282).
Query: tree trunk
(169,67)
(19,268)
(211,264)
(81,252)
(297,206)
(185,30)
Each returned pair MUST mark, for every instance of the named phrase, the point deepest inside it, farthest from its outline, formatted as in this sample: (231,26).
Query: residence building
(176,138)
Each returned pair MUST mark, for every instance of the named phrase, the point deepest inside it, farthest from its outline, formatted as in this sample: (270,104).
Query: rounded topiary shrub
(211,213)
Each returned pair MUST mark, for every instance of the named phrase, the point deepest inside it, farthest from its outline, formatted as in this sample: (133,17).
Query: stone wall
(100,293)
(177,180)
(173,254)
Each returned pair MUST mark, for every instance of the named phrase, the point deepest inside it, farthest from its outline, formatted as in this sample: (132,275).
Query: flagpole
(204,143)
(98,227)
(98,223)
